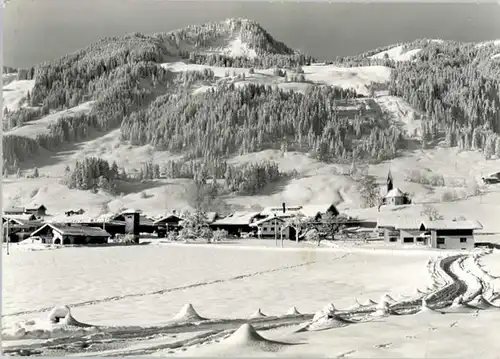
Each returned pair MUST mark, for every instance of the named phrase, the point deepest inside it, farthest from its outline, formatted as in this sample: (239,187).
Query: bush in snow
(172,236)
(220,235)
(206,233)
(312,235)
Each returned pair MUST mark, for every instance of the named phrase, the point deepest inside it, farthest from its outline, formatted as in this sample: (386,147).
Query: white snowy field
(39,127)
(14,92)
(358,78)
(274,280)
(148,285)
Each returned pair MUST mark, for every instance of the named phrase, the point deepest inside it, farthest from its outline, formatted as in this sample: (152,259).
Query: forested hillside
(457,86)
(454,85)
(232,120)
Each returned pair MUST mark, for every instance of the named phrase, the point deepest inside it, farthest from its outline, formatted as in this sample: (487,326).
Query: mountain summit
(234,37)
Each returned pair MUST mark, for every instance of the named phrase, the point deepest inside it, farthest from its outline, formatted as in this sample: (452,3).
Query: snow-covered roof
(395,192)
(167,216)
(409,223)
(265,220)
(35,206)
(21,217)
(74,230)
(14,209)
(237,218)
(312,210)
(271,210)
(450,224)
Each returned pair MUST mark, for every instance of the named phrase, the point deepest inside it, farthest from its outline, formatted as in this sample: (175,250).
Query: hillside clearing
(15,92)
(35,128)
(358,78)
(396,53)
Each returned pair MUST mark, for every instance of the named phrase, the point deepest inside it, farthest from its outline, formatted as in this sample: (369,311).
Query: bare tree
(298,222)
(331,225)
(431,212)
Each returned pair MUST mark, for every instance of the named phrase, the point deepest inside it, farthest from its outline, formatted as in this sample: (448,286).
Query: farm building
(105,222)
(442,234)
(236,223)
(449,234)
(38,210)
(52,233)
(72,212)
(146,224)
(20,226)
(168,223)
(409,231)
(310,211)
(13,211)
(273,227)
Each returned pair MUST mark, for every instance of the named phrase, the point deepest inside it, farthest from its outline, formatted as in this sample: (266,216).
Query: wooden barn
(20,227)
(54,233)
(168,223)
(38,210)
(236,223)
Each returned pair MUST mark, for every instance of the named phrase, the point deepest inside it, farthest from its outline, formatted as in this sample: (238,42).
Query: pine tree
(35,173)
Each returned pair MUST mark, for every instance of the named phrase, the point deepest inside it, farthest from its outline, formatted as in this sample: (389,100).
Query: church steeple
(390,184)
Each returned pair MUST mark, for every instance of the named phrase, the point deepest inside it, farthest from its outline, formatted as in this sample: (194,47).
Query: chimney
(284,207)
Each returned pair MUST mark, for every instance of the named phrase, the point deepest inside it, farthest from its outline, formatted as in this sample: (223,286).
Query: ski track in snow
(453,277)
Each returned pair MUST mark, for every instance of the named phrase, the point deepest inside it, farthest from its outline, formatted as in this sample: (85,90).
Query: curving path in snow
(460,285)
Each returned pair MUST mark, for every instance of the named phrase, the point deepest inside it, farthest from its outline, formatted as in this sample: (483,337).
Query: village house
(236,223)
(53,233)
(168,223)
(13,211)
(104,221)
(73,213)
(450,234)
(38,210)
(19,227)
(273,227)
(409,231)
(146,224)
(442,234)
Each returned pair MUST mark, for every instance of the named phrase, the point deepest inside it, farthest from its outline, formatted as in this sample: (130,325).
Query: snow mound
(387,299)
(247,336)
(355,306)
(367,303)
(293,311)
(59,323)
(382,309)
(328,309)
(480,303)
(327,318)
(187,314)
(258,314)
(58,313)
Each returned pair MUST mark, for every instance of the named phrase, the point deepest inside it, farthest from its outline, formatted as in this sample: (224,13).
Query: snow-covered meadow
(163,287)
(274,279)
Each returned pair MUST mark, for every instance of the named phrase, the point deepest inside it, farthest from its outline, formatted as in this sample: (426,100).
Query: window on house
(393,239)
(271,229)
(440,240)
(463,240)
(420,239)
(265,228)
(408,240)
